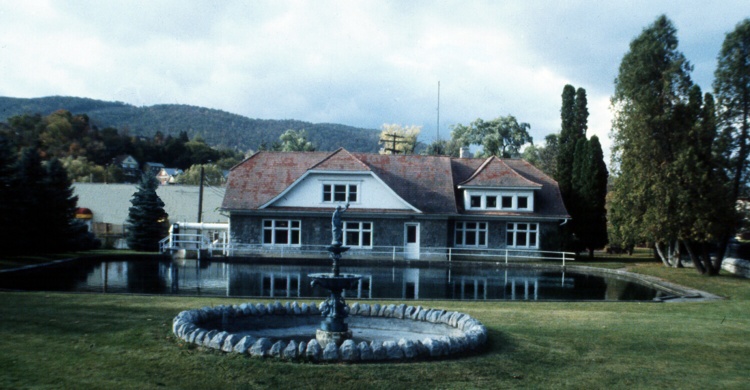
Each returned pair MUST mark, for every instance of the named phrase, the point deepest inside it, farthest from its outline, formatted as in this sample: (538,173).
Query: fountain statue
(333,328)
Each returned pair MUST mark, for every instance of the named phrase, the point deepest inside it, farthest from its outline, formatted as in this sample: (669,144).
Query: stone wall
(461,334)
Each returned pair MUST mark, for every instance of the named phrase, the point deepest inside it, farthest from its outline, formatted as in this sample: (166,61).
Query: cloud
(361,63)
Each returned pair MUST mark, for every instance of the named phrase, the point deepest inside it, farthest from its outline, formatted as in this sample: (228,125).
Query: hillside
(218,128)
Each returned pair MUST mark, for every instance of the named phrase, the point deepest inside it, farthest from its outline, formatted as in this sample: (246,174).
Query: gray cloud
(358,63)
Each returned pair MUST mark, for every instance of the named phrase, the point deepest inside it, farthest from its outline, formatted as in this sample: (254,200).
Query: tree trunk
(660,251)
(677,256)
(697,262)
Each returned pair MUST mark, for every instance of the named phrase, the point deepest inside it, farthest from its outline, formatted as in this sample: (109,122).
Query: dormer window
(499,200)
(336,193)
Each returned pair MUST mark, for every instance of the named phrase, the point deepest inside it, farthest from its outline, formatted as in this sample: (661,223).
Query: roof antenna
(438,112)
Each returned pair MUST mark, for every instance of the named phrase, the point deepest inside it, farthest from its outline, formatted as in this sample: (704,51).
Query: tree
(58,207)
(544,157)
(590,178)
(398,139)
(147,221)
(574,115)
(502,136)
(443,148)
(732,88)
(7,197)
(669,190)
(212,175)
(295,141)
(27,189)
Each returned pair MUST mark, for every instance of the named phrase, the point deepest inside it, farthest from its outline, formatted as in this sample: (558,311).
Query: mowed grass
(61,340)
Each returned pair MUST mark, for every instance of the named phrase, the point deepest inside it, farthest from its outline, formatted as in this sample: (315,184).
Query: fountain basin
(287,331)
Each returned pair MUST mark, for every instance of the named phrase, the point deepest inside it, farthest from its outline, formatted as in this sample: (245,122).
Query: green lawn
(56,340)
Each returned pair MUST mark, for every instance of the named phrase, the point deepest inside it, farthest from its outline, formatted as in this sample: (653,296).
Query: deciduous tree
(503,136)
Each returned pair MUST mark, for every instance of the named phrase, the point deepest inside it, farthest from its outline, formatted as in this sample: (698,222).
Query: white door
(411,238)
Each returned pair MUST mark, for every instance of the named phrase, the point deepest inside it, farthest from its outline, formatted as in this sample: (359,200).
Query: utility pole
(200,198)
(393,142)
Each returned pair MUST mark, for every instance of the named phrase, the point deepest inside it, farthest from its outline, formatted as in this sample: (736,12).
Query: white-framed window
(522,235)
(340,192)
(281,232)
(358,234)
(499,200)
(471,234)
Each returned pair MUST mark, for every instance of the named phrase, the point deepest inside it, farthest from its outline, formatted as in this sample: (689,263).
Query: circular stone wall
(287,331)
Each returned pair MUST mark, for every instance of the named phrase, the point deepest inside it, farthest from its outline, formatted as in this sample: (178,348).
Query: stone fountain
(393,332)
(334,310)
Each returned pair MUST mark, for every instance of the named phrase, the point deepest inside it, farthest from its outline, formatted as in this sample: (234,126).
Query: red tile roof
(429,183)
(496,173)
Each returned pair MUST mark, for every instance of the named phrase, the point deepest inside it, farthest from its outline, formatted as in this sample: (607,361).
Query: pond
(288,279)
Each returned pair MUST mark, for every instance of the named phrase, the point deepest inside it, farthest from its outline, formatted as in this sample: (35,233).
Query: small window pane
(521,226)
(521,238)
(509,238)
(471,225)
(507,202)
(282,236)
(268,236)
(295,237)
(482,238)
(352,238)
(282,224)
(471,237)
(267,223)
(366,239)
(352,193)
(327,192)
(476,201)
(523,202)
(532,239)
(492,202)
(295,224)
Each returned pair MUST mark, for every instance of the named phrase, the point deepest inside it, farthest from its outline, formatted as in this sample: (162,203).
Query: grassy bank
(55,340)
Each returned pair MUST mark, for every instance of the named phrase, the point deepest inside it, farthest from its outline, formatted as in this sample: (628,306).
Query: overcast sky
(359,63)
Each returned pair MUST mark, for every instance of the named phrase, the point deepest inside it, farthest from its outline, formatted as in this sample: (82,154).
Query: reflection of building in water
(111,276)
(196,276)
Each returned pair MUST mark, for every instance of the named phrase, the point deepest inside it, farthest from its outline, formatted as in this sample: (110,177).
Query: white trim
(343,173)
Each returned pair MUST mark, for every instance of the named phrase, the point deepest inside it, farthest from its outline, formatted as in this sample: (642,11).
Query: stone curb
(471,337)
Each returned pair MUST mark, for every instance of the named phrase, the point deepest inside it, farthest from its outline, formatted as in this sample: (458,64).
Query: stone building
(412,202)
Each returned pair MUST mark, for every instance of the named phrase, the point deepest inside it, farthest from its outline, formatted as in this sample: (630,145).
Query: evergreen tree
(58,207)
(7,198)
(732,88)
(27,189)
(567,143)
(590,191)
(147,221)
(669,191)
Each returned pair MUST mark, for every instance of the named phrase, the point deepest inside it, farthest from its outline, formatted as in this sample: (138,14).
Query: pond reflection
(275,279)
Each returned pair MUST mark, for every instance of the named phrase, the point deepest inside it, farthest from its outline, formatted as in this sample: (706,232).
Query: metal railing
(192,242)
(401,253)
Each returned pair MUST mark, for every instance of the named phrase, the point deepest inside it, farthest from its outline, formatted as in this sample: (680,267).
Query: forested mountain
(218,128)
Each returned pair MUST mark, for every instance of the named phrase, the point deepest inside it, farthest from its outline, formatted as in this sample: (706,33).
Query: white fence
(399,253)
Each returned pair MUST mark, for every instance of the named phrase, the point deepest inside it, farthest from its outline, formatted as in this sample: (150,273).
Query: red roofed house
(406,201)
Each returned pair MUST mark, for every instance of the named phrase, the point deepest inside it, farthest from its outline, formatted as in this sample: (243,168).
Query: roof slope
(496,173)
(425,182)
(429,183)
(264,175)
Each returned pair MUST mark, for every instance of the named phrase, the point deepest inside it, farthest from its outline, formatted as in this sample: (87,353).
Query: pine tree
(7,198)
(566,143)
(27,189)
(58,207)
(147,221)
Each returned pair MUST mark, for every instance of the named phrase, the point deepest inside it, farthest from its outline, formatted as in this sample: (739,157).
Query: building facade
(412,202)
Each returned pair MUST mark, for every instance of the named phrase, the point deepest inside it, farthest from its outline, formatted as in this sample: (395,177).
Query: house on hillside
(410,202)
(168,175)
(129,166)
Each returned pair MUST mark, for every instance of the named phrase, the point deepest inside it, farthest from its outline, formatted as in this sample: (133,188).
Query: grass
(58,340)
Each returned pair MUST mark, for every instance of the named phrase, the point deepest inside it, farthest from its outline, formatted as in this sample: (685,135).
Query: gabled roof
(428,183)
(494,173)
(340,160)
